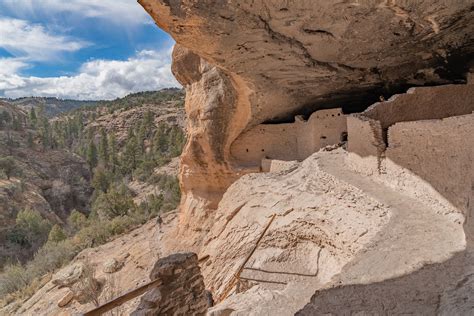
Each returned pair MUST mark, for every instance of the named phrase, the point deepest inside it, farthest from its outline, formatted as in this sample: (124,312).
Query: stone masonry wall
(289,141)
(439,151)
(365,140)
(182,289)
(424,103)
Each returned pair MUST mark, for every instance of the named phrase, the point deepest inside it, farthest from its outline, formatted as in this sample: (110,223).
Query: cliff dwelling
(290,141)
(295,193)
(427,131)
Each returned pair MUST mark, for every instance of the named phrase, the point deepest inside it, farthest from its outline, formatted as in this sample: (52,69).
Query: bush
(93,235)
(8,167)
(116,202)
(77,220)
(12,279)
(48,258)
(30,229)
(121,224)
(56,234)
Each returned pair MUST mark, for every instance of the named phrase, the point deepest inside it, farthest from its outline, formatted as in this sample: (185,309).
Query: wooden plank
(122,299)
(239,271)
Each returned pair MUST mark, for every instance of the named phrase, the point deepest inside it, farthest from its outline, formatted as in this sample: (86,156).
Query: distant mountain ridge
(52,106)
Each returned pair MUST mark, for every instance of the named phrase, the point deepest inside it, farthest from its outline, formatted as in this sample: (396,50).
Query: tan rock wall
(289,141)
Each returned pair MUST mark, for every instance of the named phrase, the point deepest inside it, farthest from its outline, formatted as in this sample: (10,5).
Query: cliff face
(247,62)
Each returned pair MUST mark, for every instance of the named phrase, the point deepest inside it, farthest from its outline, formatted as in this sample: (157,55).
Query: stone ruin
(427,131)
(181,291)
(289,141)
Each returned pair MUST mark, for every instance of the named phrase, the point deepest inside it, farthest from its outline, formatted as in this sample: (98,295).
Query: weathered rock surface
(138,250)
(247,62)
(69,275)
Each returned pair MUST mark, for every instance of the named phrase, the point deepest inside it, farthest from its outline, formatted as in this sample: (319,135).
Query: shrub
(30,229)
(8,167)
(56,234)
(116,202)
(12,279)
(93,235)
(50,257)
(77,220)
(101,180)
(121,224)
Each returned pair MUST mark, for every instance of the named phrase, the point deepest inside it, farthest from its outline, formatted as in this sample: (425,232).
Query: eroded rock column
(217,112)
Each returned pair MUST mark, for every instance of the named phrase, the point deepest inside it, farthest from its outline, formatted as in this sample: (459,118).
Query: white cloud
(11,65)
(20,38)
(115,11)
(98,79)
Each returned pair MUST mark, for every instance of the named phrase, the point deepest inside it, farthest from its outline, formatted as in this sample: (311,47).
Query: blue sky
(81,49)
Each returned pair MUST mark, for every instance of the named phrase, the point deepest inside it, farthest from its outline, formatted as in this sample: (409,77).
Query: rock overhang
(318,54)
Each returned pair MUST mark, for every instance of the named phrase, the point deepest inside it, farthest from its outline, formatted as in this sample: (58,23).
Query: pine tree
(113,158)
(45,132)
(141,137)
(160,140)
(8,166)
(92,155)
(30,140)
(56,234)
(130,155)
(33,117)
(103,148)
(16,123)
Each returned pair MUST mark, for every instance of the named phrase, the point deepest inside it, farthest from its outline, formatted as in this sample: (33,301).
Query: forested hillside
(78,179)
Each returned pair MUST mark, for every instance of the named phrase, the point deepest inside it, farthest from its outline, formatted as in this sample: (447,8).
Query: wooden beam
(122,299)
(236,275)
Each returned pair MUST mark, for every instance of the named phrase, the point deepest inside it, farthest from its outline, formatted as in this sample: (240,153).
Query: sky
(81,49)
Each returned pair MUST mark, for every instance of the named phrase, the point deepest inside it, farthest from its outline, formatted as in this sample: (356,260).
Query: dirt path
(416,234)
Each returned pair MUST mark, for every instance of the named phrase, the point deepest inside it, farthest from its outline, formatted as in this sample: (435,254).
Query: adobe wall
(427,134)
(423,103)
(439,151)
(289,141)
(365,138)
(273,165)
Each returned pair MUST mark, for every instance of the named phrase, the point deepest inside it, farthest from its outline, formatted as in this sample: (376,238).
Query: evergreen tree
(8,166)
(45,133)
(92,155)
(30,140)
(33,117)
(30,228)
(16,123)
(113,157)
(129,157)
(160,140)
(56,234)
(103,148)
(141,137)
(101,180)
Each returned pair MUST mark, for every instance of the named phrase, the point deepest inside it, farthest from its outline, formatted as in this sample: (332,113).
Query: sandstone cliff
(247,62)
